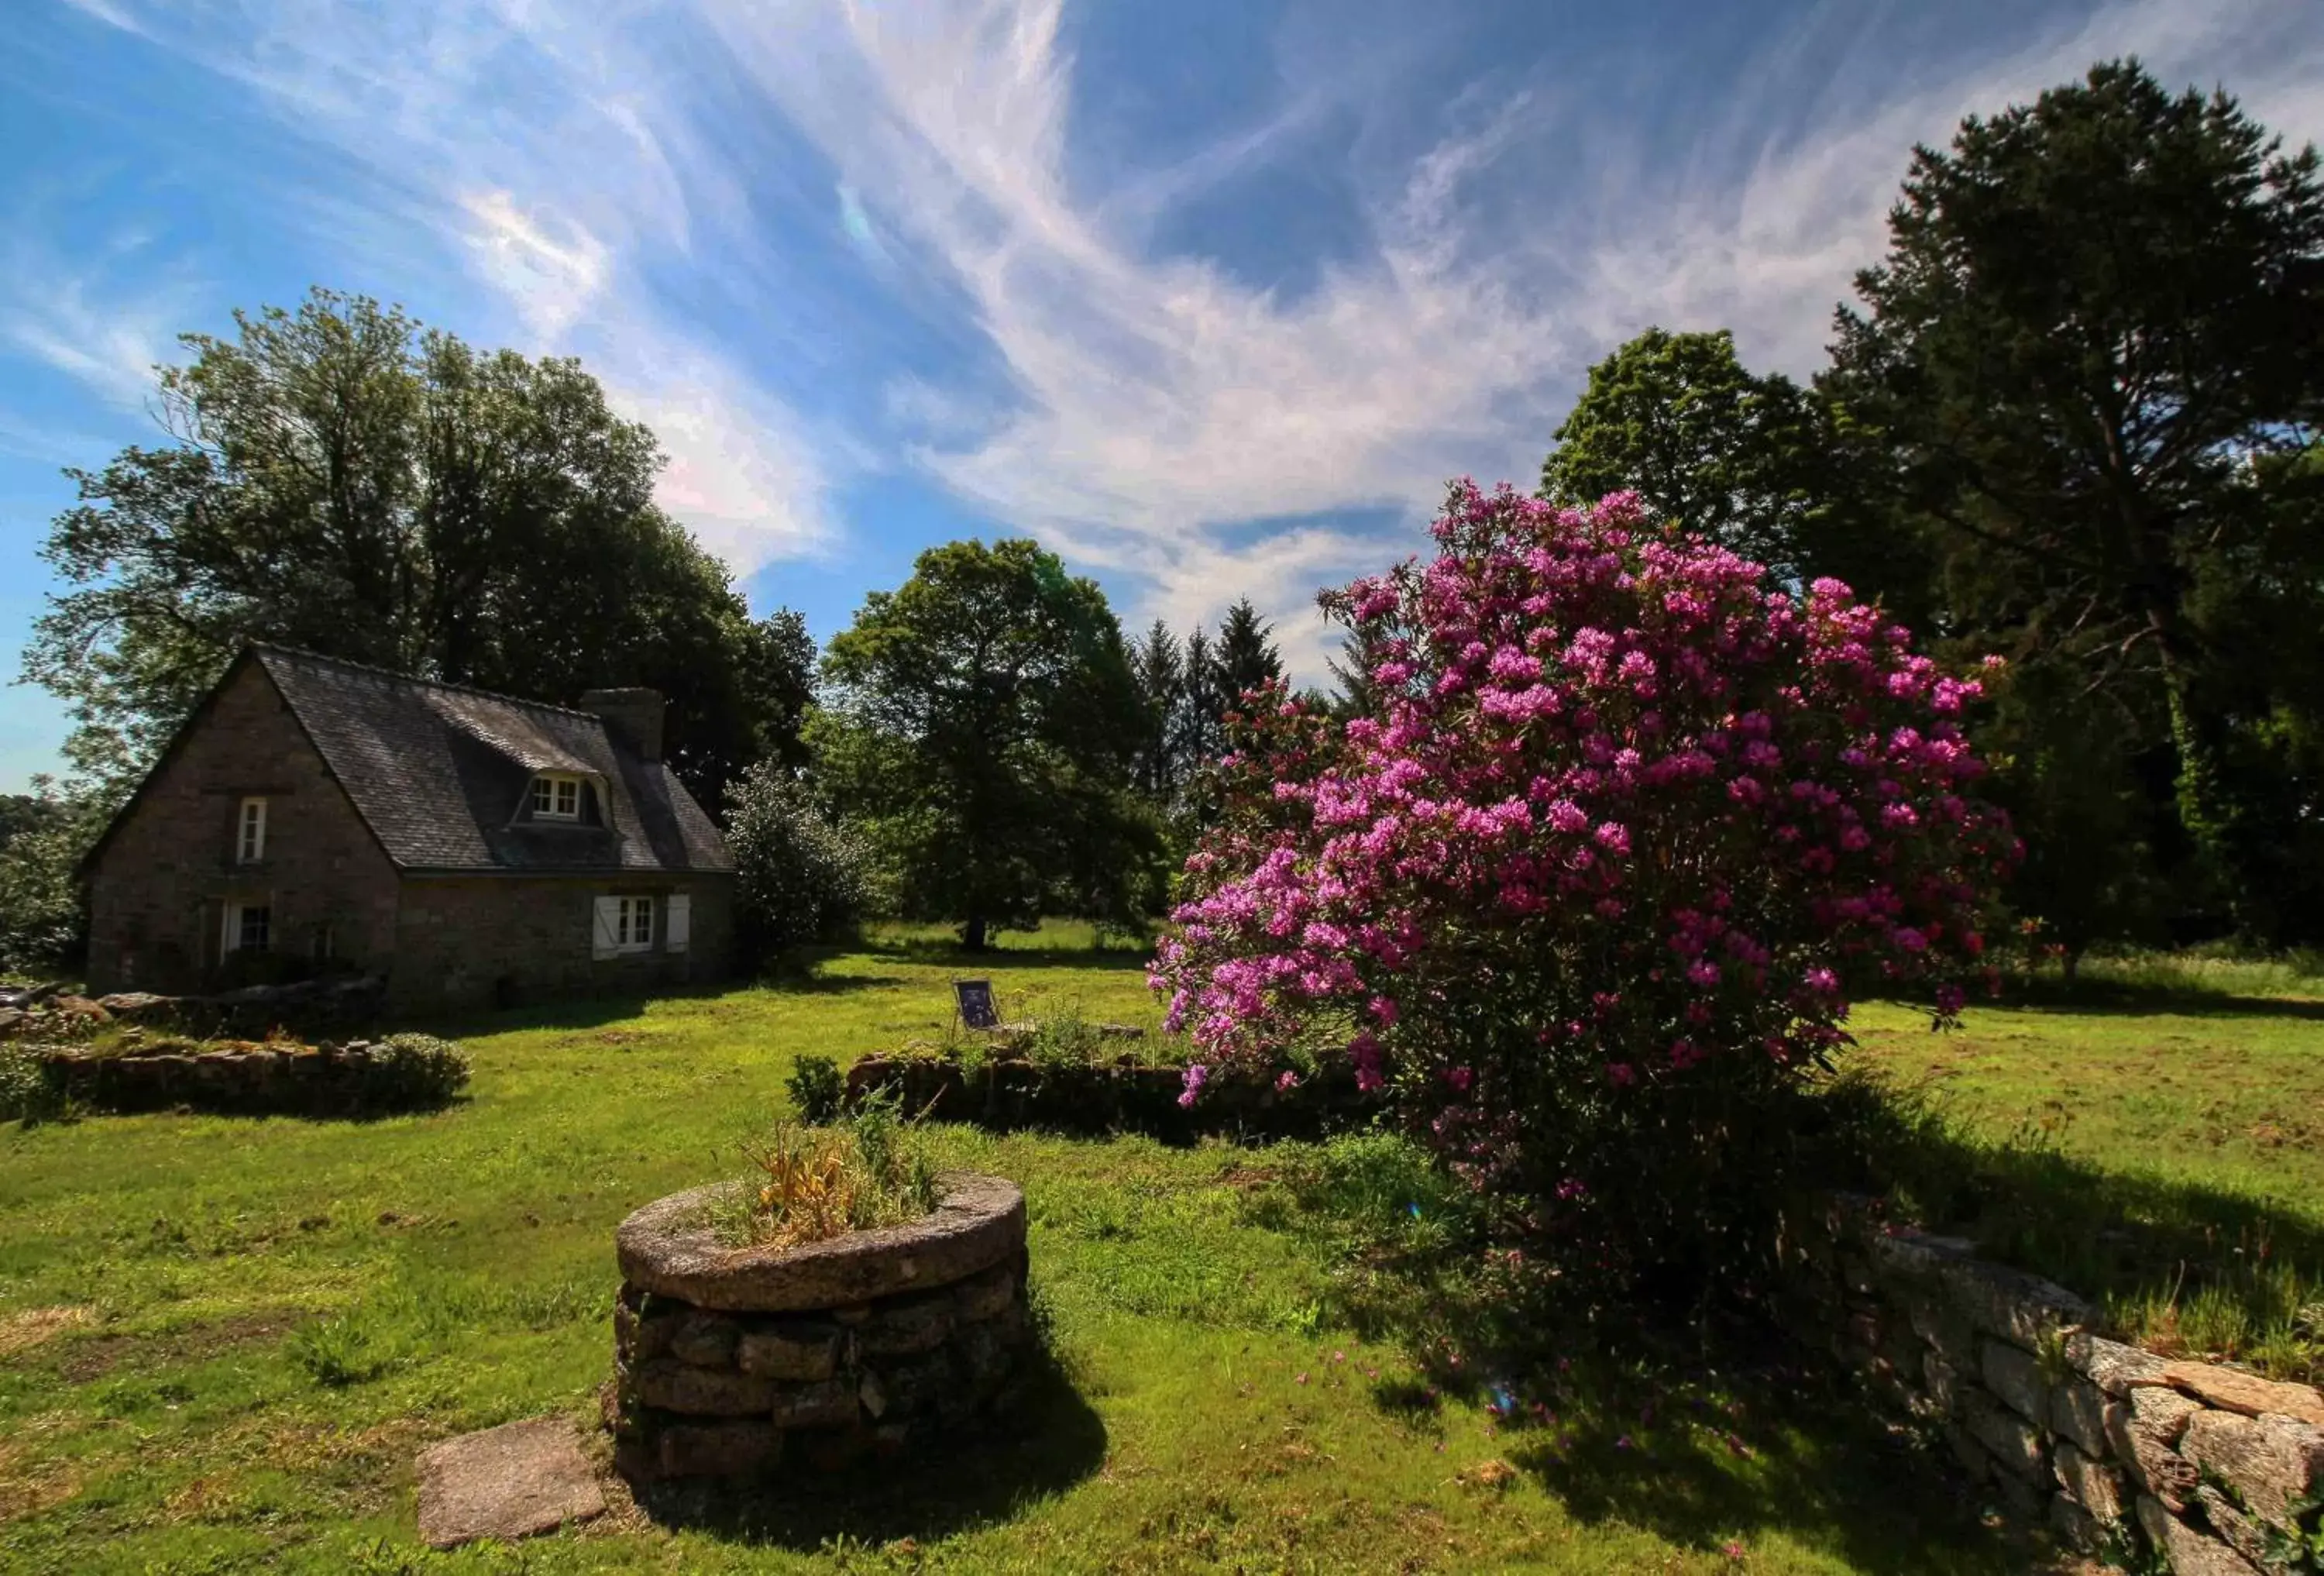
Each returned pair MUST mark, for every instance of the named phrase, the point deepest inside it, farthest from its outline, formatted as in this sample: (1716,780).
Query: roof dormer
(557,796)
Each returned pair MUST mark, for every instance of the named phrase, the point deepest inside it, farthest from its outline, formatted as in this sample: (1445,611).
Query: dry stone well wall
(730,1362)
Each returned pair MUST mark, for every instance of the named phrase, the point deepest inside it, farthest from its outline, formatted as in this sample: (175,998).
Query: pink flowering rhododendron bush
(1588,894)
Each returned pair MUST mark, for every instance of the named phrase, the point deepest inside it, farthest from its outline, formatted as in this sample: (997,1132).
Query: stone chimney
(633,716)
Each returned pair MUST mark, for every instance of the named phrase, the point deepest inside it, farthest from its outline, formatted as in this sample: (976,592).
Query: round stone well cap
(670,1249)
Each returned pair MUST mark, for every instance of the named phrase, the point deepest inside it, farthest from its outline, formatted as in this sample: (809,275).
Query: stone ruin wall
(2126,1454)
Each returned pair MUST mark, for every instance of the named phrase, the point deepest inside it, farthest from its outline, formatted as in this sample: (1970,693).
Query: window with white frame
(250,832)
(556,797)
(249,928)
(624,925)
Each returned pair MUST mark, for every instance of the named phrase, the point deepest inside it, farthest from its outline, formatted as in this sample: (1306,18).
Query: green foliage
(1676,418)
(1247,656)
(799,875)
(43,925)
(342,479)
(340,1351)
(2300,1547)
(981,723)
(28,1093)
(816,1088)
(871,1168)
(1384,1194)
(20,813)
(1160,673)
(2085,386)
(1066,1037)
(414,1072)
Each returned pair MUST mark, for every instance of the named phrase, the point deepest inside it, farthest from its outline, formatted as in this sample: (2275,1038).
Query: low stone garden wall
(353,1078)
(1006,1091)
(735,1361)
(46,1013)
(2121,1450)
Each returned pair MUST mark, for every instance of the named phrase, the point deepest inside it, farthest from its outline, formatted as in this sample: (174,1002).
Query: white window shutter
(229,929)
(602,941)
(678,921)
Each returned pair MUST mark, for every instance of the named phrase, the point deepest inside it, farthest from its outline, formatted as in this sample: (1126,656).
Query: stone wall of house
(704,1393)
(158,890)
(2125,1453)
(465,941)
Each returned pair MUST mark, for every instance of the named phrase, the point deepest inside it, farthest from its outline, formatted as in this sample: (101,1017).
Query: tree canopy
(1676,418)
(2090,368)
(980,724)
(2072,419)
(1248,655)
(342,479)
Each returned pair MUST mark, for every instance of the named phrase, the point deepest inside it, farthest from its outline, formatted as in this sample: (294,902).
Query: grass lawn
(2159,1128)
(222,1339)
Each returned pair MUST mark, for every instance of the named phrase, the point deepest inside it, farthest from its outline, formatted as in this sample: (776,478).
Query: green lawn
(221,1340)
(2156,1140)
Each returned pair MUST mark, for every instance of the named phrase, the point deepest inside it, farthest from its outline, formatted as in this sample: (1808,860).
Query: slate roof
(441,772)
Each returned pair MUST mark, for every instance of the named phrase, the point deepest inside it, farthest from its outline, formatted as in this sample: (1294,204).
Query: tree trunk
(971,934)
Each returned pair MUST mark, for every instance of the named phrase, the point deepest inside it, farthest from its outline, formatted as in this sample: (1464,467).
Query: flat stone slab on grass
(506,1482)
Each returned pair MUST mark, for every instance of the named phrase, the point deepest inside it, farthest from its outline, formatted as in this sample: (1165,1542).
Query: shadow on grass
(952,955)
(1715,1434)
(1048,1442)
(1703,1457)
(2129,998)
(2183,1266)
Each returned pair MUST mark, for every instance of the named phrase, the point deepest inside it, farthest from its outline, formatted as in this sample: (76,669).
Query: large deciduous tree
(342,479)
(2088,368)
(981,723)
(1704,443)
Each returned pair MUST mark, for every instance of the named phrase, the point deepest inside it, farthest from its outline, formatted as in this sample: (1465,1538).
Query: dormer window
(556,797)
(250,833)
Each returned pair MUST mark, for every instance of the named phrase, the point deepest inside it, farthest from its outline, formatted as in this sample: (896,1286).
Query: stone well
(737,1360)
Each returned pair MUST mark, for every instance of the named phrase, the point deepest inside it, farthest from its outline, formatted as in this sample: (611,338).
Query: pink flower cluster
(1624,809)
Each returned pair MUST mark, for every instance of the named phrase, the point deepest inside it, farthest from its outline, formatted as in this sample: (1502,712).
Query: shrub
(799,877)
(871,1170)
(28,1093)
(414,1072)
(43,924)
(1586,893)
(816,1090)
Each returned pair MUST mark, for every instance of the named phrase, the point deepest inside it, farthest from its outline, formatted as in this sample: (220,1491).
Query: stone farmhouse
(315,815)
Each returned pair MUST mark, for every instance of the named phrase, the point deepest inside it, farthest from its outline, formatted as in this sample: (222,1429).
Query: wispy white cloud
(552,270)
(522,145)
(1155,399)
(1770,253)
(1135,406)
(107,11)
(105,322)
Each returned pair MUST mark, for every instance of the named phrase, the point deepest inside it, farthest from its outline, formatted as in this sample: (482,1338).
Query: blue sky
(1211,295)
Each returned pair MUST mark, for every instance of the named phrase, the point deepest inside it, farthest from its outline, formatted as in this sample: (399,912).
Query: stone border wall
(788,1364)
(45,1012)
(2119,1449)
(1008,1091)
(357,1078)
